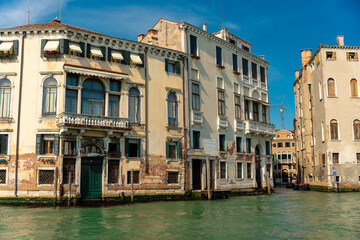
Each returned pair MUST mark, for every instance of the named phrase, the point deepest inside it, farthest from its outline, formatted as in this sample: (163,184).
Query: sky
(277,29)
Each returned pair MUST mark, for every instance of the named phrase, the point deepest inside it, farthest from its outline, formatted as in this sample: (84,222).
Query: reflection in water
(284,215)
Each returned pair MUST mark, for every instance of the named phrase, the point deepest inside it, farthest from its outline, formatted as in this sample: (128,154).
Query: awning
(51,45)
(6,46)
(117,56)
(135,58)
(75,47)
(96,52)
(89,71)
(257,100)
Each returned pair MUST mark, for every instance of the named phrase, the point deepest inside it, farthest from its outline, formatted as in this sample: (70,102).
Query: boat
(302,186)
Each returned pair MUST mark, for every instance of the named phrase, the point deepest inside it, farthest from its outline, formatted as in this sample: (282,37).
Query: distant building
(283,149)
(327,122)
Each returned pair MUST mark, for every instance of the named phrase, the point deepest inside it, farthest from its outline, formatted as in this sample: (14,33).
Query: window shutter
(109,54)
(139,148)
(126,147)
(118,149)
(126,56)
(356,58)
(167,148)
(103,51)
(56,144)
(142,59)
(179,150)
(38,143)
(82,46)
(43,43)
(166,64)
(64,46)
(347,56)
(16,47)
(177,68)
(88,50)
(4,144)
(334,56)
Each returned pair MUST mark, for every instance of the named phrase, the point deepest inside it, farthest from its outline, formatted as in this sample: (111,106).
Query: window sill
(5,158)
(239,179)
(173,160)
(330,59)
(7,119)
(134,158)
(173,127)
(194,56)
(332,97)
(236,73)
(335,140)
(220,66)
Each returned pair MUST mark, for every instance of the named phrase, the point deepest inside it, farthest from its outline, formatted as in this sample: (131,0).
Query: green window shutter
(103,51)
(166,64)
(38,143)
(88,50)
(43,43)
(16,47)
(142,59)
(64,46)
(109,54)
(126,56)
(126,147)
(139,148)
(4,143)
(82,46)
(274,157)
(167,148)
(56,144)
(177,68)
(179,150)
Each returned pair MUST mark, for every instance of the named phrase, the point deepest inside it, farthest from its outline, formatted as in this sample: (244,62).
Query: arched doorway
(91,171)
(258,166)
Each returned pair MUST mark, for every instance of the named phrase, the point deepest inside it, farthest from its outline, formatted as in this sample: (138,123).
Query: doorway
(196,174)
(91,177)
(258,166)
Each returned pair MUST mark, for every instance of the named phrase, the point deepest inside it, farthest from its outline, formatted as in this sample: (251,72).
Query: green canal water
(285,215)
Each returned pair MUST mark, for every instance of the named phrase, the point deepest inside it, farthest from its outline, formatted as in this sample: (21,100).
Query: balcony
(255,82)
(239,124)
(85,121)
(252,126)
(197,117)
(246,79)
(263,85)
(222,122)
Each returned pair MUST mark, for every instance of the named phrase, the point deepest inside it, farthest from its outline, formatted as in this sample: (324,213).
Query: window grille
(136,177)
(68,166)
(113,172)
(173,177)
(2,176)
(46,176)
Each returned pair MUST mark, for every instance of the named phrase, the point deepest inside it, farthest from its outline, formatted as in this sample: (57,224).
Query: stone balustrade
(252,126)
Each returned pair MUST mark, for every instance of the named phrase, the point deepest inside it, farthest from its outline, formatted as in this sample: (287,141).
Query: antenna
(60,9)
(28,12)
(222,14)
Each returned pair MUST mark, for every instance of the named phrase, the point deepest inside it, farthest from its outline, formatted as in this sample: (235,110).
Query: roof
(241,39)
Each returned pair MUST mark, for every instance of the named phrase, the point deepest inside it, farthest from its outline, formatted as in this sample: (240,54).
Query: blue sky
(277,29)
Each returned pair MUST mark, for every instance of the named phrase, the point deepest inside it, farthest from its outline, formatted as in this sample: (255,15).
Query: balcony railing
(239,124)
(263,85)
(252,126)
(197,117)
(246,79)
(222,121)
(79,120)
(255,82)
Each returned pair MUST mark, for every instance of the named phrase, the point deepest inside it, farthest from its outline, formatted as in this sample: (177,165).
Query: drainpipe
(19,112)
(146,114)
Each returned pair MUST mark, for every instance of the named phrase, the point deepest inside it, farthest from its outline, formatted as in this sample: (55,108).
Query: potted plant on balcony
(51,53)
(6,54)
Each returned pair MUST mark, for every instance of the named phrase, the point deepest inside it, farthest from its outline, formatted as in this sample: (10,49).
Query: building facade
(227,101)
(283,149)
(100,109)
(327,125)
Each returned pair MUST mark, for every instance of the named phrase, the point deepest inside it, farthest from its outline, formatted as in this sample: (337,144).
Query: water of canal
(287,214)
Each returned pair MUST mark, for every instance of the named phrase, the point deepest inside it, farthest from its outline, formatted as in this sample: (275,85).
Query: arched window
(172,109)
(49,96)
(5,94)
(331,88)
(356,124)
(92,97)
(134,105)
(334,129)
(354,88)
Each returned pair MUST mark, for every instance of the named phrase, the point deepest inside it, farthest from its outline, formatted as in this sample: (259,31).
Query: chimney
(140,37)
(205,27)
(262,57)
(296,74)
(340,40)
(56,20)
(305,56)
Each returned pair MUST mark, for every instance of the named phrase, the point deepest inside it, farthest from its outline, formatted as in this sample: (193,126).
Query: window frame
(7,144)
(237,171)
(238,144)
(8,86)
(334,129)
(223,164)
(172,104)
(354,93)
(46,97)
(167,177)
(356,129)
(338,157)
(136,100)
(38,176)
(196,48)
(219,57)
(237,101)
(196,97)
(221,102)
(6,169)
(331,92)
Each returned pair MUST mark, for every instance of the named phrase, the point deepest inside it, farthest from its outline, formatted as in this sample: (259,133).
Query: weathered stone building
(227,89)
(327,122)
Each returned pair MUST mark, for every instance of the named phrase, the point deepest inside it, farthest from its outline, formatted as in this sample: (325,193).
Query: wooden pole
(132,185)
(69,190)
(208,176)
(268,183)
(55,185)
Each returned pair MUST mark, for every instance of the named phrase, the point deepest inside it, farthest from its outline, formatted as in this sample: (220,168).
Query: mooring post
(132,185)
(268,183)
(208,177)
(69,190)
(55,185)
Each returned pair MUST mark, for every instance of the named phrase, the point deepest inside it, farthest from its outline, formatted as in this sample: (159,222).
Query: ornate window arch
(134,105)
(93,97)
(172,106)
(49,96)
(5,97)
(356,125)
(331,87)
(354,87)
(334,129)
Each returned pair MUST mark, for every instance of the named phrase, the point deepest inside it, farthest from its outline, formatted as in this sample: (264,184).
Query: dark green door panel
(91,178)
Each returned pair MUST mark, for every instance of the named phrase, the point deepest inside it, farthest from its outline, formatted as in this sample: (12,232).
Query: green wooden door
(91,179)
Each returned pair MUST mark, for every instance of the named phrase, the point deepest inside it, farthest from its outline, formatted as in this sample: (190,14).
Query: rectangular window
(330,55)
(172,66)
(2,176)
(248,170)
(284,156)
(246,48)
(248,145)
(237,107)
(239,170)
(115,86)
(132,147)
(171,150)
(194,74)
(238,144)
(114,150)
(236,88)
(136,177)
(357,157)
(222,142)
(222,170)
(247,109)
(114,105)
(196,96)
(254,70)
(46,177)
(221,102)
(267,146)
(279,144)
(71,101)
(274,145)
(193,45)
(293,144)
(113,171)
(196,139)
(47,144)
(219,56)
(235,63)
(352,56)
(287,144)
(335,158)
(69,148)
(72,79)
(68,167)
(264,111)
(255,111)
(262,74)
(172,178)
(4,138)
(245,65)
